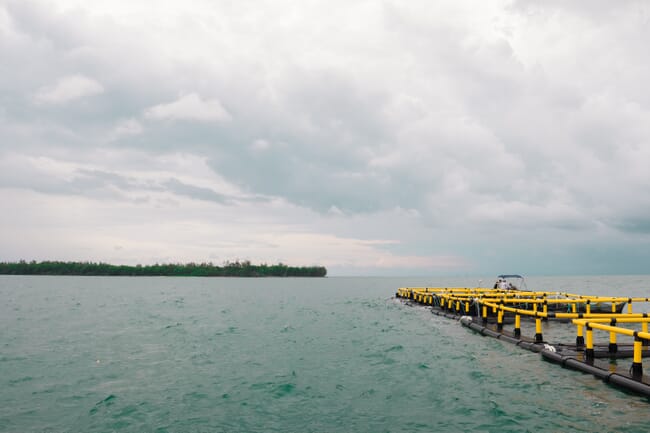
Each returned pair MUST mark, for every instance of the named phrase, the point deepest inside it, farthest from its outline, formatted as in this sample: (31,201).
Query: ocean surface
(183,355)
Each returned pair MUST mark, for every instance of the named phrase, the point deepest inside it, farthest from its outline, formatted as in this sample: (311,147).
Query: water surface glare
(95,354)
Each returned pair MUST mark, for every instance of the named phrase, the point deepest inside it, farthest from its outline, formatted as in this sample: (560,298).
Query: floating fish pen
(593,334)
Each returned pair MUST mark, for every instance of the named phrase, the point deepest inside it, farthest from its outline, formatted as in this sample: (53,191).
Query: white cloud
(68,89)
(260,145)
(128,127)
(190,107)
(459,129)
(190,230)
(5,22)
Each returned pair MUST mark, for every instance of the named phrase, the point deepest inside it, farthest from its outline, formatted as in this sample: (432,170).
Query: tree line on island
(229,269)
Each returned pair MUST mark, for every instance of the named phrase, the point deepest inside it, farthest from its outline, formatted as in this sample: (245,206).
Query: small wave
(284,389)
(21,380)
(12,358)
(287,328)
(195,396)
(396,348)
(108,401)
(476,374)
(278,390)
(496,410)
(176,325)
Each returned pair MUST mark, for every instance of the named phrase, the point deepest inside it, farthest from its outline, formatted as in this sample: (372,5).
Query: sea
(336,354)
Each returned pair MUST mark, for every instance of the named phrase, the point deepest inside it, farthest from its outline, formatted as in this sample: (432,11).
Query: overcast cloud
(371,137)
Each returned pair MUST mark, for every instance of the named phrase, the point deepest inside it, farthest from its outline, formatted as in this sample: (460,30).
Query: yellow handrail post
(637,367)
(517,325)
(613,347)
(500,320)
(580,339)
(467,306)
(538,330)
(589,351)
(484,314)
(629,306)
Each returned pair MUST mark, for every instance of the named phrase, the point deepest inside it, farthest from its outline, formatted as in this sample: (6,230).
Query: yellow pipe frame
(497,300)
(512,301)
(538,330)
(517,330)
(638,351)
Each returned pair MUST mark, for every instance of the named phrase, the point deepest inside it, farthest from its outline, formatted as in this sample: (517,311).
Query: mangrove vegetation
(228,269)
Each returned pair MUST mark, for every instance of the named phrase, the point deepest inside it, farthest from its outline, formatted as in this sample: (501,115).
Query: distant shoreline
(229,269)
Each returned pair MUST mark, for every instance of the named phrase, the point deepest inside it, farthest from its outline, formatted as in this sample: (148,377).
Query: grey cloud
(89,183)
(99,179)
(45,25)
(337,107)
(417,109)
(46,43)
(594,9)
(314,160)
(195,192)
(325,117)
(635,225)
(103,184)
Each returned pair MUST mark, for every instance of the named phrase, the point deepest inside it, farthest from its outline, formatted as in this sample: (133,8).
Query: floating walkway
(593,334)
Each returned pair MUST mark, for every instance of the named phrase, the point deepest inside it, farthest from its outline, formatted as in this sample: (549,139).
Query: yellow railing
(535,304)
(640,337)
(459,300)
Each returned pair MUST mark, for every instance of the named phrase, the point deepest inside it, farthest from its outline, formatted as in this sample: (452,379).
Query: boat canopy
(509,276)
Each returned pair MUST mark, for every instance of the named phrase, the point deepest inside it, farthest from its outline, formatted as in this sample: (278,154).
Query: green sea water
(182,355)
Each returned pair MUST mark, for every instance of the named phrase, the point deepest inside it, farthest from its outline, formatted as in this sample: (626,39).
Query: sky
(372,137)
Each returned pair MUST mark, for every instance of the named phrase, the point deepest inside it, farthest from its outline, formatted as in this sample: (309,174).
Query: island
(228,269)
